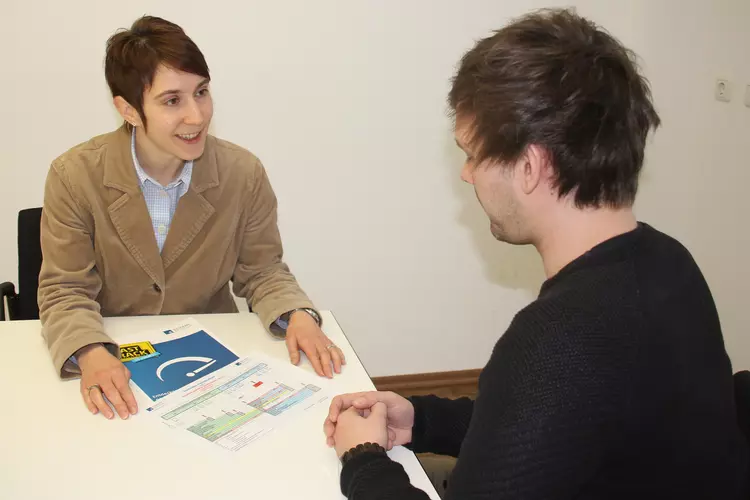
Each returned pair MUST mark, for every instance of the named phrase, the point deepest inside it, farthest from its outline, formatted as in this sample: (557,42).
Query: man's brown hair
(556,80)
(134,55)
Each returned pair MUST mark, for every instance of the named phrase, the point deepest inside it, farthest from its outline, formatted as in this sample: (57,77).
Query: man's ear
(128,112)
(533,168)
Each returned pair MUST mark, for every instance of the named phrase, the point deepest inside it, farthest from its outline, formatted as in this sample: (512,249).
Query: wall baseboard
(455,383)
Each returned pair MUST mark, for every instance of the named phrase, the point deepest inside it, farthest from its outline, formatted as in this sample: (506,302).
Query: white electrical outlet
(747,96)
(723,91)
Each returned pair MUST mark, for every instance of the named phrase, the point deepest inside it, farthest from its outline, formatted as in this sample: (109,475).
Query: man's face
(178,109)
(496,190)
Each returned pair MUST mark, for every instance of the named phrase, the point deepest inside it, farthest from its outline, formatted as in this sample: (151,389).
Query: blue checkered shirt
(161,201)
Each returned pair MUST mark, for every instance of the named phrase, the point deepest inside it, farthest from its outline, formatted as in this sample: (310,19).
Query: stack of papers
(199,386)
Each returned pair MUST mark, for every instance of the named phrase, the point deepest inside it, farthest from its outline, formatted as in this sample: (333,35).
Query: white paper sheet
(241,402)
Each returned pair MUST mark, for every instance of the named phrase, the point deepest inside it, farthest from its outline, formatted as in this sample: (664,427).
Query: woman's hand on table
(105,380)
(304,334)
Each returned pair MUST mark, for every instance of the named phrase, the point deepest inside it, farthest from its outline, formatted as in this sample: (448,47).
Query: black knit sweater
(613,384)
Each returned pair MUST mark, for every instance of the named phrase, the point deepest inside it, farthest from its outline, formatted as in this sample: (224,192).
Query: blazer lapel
(193,210)
(133,223)
(128,212)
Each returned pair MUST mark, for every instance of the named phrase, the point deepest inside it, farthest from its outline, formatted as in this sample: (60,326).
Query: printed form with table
(199,387)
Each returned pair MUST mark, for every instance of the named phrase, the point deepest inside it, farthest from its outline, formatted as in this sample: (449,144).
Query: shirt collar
(184,178)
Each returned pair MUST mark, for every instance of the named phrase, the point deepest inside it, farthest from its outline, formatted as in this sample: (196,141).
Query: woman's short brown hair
(556,80)
(134,55)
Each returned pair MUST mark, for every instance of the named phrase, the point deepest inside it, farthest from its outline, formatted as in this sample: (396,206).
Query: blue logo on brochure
(181,361)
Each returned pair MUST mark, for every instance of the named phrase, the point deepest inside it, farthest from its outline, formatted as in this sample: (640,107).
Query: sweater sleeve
(439,427)
(374,476)
(548,408)
(440,424)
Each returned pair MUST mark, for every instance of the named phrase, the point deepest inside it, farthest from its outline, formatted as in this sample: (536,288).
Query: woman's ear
(128,112)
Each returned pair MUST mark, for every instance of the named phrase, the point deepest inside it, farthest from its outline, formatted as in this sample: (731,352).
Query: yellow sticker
(129,352)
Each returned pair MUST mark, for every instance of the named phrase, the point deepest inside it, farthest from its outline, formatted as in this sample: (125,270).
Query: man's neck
(574,232)
(160,166)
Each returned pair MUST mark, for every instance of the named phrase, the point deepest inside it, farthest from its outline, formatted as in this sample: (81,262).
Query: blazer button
(157,288)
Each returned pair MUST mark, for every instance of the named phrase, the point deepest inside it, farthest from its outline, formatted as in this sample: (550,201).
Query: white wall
(345,104)
(696,183)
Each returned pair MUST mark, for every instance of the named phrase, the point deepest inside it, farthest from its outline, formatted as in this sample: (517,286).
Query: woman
(158,217)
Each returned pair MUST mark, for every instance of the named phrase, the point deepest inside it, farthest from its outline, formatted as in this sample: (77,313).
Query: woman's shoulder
(231,155)
(93,147)
(84,162)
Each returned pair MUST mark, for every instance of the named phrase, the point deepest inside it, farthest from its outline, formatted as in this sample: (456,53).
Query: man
(615,382)
(157,218)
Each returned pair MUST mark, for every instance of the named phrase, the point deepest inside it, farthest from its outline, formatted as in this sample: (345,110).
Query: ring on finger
(330,346)
(94,386)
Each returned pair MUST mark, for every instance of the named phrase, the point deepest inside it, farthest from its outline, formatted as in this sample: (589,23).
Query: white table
(52,447)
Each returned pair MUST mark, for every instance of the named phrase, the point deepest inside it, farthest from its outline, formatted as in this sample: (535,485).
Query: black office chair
(742,401)
(23,304)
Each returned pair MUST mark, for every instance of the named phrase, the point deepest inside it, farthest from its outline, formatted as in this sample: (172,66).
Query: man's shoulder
(669,279)
(547,347)
(659,251)
(609,303)
(562,313)
(541,327)
(617,278)
(577,317)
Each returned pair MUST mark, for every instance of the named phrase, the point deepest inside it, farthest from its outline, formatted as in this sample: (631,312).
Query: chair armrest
(8,290)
